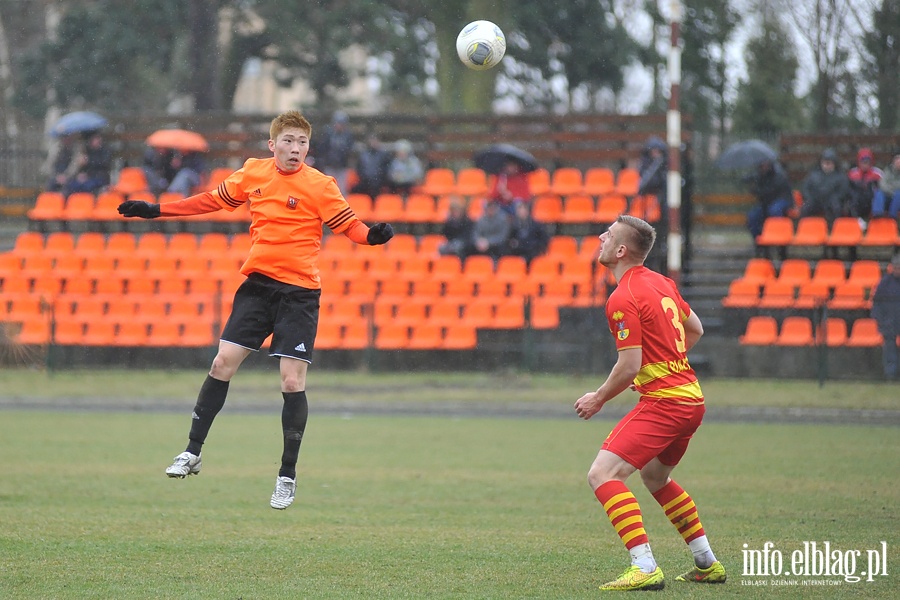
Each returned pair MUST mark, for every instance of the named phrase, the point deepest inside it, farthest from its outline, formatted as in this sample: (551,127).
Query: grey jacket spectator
(371,167)
(332,152)
(774,197)
(405,170)
(886,311)
(491,231)
(826,190)
(458,231)
(529,238)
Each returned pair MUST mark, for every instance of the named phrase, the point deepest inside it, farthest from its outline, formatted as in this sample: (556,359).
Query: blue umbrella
(746,155)
(77,122)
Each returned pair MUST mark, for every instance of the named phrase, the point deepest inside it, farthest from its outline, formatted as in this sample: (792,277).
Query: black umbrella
(493,158)
(77,122)
(746,155)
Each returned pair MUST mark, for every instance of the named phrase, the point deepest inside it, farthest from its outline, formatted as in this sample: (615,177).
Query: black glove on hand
(139,208)
(380,233)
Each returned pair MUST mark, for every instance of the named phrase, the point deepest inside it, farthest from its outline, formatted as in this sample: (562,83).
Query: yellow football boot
(715,573)
(634,579)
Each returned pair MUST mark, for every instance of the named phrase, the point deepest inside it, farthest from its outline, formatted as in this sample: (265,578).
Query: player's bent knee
(223,369)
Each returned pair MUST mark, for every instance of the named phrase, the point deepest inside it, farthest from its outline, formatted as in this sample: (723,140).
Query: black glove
(139,208)
(380,233)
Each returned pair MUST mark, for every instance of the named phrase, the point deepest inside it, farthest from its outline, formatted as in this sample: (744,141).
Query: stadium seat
(539,182)
(28,242)
(795,271)
(181,245)
(121,242)
(438,181)
(388,208)
(812,294)
(599,181)
(547,208)
(34,332)
(151,245)
(395,288)
(49,206)
(212,244)
(609,207)
(881,231)
(478,313)
(361,205)
(471,182)
(544,314)
(830,272)
(478,267)
(562,247)
(429,244)
(217,176)
(849,296)
(628,181)
(446,267)
(758,271)
(355,336)
(420,208)
(106,206)
(811,231)
(460,337)
(777,294)
(445,313)
(511,268)
(79,206)
(59,243)
(132,334)
(834,334)
(865,272)
(328,335)
(795,331)
(491,288)
(742,294)
(645,207)
(845,231)
(426,336)
(509,314)
(460,288)
(99,333)
(762,330)
(578,208)
(130,181)
(864,334)
(776,231)
(566,181)
(90,243)
(390,337)
(198,334)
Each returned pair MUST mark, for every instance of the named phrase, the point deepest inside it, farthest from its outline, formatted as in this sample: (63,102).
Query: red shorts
(655,429)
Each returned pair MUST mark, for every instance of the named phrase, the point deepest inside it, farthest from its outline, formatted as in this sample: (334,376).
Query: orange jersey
(646,311)
(287,211)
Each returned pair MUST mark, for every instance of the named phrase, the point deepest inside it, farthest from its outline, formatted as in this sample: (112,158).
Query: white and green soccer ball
(481,45)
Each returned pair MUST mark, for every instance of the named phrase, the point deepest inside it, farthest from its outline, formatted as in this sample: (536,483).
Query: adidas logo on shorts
(301,347)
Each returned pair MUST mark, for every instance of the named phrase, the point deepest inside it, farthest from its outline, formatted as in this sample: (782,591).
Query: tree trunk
(204,21)
(6,80)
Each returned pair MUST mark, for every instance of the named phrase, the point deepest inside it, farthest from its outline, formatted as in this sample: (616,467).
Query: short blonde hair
(290,119)
(641,234)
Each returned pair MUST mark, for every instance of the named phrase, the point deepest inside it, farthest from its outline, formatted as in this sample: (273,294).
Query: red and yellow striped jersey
(287,211)
(646,311)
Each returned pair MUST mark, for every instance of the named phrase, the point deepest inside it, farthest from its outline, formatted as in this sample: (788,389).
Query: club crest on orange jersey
(292,203)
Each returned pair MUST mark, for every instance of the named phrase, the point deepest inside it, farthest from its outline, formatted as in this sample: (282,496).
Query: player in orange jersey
(654,329)
(289,201)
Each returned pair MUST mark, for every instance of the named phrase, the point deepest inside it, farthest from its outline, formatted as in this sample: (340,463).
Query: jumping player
(654,329)
(289,202)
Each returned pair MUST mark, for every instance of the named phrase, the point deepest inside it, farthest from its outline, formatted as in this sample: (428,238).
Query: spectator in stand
(332,154)
(886,200)
(826,190)
(774,197)
(372,168)
(405,170)
(510,187)
(864,178)
(189,169)
(458,230)
(529,238)
(886,311)
(159,168)
(654,168)
(491,232)
(69,146)
(89,164)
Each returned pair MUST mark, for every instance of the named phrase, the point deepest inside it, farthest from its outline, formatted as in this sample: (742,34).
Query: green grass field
(407,507)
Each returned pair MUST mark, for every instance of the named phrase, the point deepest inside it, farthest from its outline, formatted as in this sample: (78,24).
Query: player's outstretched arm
(620,379)
(139,208)
(193,205)
(379,233)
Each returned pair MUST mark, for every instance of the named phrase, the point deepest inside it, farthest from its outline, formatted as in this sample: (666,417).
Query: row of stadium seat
(763,330)
(814,231)
(416,208)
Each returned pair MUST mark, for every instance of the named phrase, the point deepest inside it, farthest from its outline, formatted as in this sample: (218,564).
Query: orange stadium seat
(479,313)
(849,296)
(758,271)
(121,242)
(420,208)
(59,243)
(49,206)
(609,208)
(471,182)
(509,314)
(795,271)
(438,182)
(90,242)
(460,337)
(361,205)
(539,182)
(106,206)
(865,272)
(79,206)
(544,314)
(34,332)
(777,294)
(742,294)
(390,337)
(388,208)
(776,231)
(762,330)
(628,181)
(830,272)
(566,181)
(28,242)
(131,180)
(864,334)
(547,208)
(881,231)
(599,181)
(578,208)
(811,231)
(812,294)
(217,176)
(795,331)
(835,332)
(645,207)
(511,268)
(426,336)
(562,247)
(845,231)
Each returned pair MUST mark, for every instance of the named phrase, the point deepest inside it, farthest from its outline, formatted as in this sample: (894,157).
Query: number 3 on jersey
(671,310)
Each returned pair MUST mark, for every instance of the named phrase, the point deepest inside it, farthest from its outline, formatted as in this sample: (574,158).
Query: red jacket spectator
(864,179)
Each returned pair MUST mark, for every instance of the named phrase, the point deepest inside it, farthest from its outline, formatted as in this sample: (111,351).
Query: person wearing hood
(826,190)
(774,197)
(332,154)
(886,312)
(886,199)
(864,178)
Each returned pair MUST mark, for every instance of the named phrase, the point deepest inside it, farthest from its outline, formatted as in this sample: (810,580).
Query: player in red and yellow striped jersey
(289,202)
(654,328)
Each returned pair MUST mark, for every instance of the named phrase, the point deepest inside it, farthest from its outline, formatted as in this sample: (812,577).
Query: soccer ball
(480,45)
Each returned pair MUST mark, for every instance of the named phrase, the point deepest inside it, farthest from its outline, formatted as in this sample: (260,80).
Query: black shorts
(264,306)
